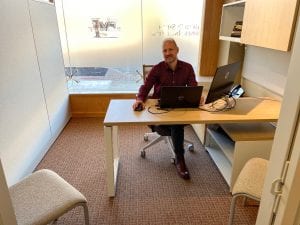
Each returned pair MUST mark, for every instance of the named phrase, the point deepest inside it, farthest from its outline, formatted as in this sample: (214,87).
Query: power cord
(222,104)
(157,110)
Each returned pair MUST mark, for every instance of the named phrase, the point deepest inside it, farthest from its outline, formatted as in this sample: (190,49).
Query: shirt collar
(179,65)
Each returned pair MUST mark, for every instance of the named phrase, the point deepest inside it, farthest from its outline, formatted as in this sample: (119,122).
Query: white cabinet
(232,145)
(200,131)
(231,13)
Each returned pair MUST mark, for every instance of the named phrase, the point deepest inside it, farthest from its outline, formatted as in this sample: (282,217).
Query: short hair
(169,40)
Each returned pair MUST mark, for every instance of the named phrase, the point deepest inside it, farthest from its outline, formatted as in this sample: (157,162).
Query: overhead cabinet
(268,23)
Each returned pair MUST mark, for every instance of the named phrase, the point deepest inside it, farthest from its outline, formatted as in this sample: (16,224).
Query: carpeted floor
(149,190)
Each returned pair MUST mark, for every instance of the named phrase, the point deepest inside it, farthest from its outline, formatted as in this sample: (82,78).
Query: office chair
(163,136)
(249,183)
(43,197)
(159,134)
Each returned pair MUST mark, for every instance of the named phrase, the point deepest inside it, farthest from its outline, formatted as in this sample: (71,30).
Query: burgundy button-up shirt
(162,75)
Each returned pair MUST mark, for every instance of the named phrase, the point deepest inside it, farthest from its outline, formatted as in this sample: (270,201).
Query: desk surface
(247,109)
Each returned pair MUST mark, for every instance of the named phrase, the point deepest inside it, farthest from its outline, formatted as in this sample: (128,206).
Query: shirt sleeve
(192,77)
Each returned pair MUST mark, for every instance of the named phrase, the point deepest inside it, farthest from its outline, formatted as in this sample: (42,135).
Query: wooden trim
(93,105)
(210,39)
(249,131)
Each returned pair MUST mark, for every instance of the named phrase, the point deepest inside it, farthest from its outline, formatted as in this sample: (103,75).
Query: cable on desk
(222,104)
(160,111)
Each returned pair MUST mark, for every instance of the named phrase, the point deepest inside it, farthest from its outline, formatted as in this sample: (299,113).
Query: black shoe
(181,168)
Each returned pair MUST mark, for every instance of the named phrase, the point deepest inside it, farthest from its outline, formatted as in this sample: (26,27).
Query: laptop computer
(223,81)
(180,96)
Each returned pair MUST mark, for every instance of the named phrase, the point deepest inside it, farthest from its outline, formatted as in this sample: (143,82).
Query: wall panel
(32,110)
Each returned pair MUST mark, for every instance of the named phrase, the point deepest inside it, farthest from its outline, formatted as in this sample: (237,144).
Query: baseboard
(88,114)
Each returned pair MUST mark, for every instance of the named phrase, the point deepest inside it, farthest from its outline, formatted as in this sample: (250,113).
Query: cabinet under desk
(232,145)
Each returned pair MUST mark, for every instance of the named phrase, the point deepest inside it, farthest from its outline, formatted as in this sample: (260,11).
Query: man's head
(170,50)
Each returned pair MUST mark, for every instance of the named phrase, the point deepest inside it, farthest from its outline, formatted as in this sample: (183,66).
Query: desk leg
(112,158)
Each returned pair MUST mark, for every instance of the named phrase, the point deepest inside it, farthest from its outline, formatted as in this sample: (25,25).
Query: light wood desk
(120,113)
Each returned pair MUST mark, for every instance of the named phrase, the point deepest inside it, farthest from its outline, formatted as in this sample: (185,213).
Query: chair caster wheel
(146,138)
(173,160)
(191,147)
(143,154)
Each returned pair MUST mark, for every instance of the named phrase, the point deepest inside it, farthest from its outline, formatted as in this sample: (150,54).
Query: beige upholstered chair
(42,197)
(249,182)
(157,137)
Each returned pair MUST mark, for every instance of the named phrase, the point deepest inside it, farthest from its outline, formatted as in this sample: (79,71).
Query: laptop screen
(223,81)
(180,96)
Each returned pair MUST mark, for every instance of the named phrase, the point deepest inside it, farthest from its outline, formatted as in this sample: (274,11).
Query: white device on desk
(237,91)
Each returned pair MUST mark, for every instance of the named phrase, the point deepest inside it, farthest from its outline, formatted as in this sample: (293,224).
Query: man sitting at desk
(170,72)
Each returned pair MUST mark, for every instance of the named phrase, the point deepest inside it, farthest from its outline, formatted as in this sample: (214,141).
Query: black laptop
(223,81)
(180,96)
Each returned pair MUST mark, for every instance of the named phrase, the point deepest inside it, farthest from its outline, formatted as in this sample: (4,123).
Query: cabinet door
(269,23)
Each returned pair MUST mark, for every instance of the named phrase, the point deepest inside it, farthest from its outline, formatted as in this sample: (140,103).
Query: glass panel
(103,45)
(180,20)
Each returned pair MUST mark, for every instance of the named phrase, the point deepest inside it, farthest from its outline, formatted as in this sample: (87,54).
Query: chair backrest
(146,70)
(7,214)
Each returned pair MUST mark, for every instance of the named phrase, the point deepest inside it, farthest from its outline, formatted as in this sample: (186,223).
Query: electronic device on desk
(222,82)
(180,97)
(222,88)
(237,91)
(139,107)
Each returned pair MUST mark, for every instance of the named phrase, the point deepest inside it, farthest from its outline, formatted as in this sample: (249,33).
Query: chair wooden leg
(245,201)
(232,209)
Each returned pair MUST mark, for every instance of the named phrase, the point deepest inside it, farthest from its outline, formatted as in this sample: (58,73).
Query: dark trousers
(177,135)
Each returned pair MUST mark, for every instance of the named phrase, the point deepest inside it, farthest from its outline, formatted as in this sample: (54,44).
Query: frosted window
(180,20)
(105,43)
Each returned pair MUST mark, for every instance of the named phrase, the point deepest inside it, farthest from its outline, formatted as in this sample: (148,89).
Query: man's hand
(137,103)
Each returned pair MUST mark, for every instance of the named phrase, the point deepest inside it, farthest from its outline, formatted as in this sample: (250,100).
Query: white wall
(50,58)
(266,67)
(33,95)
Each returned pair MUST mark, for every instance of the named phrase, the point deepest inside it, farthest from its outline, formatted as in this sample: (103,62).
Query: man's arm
(192,77)
(145,89)
(148,84)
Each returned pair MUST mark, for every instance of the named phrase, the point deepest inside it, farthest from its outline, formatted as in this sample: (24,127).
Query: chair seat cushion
(42,197)
(251,178)
(162,130)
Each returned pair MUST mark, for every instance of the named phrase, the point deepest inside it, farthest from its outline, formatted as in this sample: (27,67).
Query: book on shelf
(237,29)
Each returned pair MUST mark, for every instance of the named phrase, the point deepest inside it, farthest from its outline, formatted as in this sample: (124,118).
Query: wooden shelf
(224,144)
(236,3)
(232,39)
(223,165)
(249,132)
(232,145)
